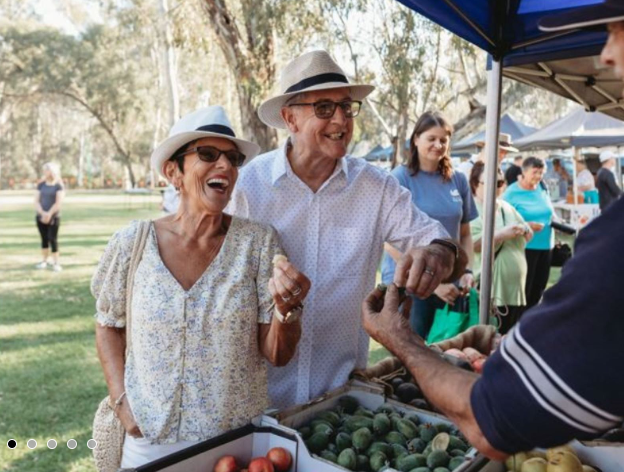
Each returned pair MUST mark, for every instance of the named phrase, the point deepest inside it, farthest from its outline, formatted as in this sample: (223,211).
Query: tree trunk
(168,62)
(252,62)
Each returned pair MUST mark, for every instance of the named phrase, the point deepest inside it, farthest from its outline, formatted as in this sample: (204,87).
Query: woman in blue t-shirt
(533,203)
(48,200)
(442,194)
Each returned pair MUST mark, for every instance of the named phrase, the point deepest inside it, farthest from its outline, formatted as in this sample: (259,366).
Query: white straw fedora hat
(315,70)
(209,122)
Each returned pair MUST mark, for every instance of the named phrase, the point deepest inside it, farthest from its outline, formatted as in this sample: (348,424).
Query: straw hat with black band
(315,70)
(590,16)
(209,122)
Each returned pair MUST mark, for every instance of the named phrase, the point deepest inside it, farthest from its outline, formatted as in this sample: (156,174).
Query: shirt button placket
(184,325)
(305,348)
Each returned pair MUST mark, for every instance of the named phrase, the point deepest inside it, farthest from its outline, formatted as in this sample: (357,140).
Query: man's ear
(173,174)
(290,118)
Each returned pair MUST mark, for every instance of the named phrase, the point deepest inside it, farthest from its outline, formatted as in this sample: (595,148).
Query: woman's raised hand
(288,286)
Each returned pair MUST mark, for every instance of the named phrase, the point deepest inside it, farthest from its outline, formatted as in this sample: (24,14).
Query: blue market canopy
(579,129)
(507,125)
(379,153)
(565,63)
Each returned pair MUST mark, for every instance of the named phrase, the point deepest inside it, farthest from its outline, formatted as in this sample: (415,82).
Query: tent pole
(492,124)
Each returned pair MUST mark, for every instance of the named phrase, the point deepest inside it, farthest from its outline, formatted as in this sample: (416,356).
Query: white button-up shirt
(335,236)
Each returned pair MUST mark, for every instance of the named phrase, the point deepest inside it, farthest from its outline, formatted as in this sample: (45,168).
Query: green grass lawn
(50,378)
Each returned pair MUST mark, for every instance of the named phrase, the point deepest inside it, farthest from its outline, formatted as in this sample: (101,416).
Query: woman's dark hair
(428,120)
(475,175)
(531,162)
(179,157)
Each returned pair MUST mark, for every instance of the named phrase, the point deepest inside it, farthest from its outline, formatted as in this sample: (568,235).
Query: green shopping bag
(450,321)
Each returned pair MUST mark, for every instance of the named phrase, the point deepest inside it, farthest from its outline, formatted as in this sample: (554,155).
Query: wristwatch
(290,317)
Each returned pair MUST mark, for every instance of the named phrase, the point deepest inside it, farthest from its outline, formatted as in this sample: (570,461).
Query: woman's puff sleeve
(109,282)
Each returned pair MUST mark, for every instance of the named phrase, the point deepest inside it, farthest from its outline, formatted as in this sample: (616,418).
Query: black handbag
(560,254)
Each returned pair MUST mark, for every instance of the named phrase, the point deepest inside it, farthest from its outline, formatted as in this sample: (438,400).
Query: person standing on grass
(48,200)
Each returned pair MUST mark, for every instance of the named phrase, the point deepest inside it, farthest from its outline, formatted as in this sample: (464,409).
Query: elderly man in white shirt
(333,213)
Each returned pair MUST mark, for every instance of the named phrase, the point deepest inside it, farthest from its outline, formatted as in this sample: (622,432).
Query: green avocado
(362,438)
(348,459)
(438,459)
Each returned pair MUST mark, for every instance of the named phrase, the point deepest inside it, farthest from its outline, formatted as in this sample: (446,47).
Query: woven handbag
(107,429)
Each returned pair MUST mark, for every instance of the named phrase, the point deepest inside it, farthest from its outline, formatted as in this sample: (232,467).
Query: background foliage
(96,84)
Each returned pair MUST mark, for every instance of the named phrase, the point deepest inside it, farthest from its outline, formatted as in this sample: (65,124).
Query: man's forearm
(446,387)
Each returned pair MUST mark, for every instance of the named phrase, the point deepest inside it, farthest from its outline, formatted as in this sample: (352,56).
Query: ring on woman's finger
(286,299)
(429,271)
(297,291)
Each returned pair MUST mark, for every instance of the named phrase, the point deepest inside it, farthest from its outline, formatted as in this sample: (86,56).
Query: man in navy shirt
(559,374)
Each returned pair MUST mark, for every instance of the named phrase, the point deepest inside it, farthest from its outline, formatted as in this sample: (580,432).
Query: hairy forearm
(446,387)
(278,341)
(111,346)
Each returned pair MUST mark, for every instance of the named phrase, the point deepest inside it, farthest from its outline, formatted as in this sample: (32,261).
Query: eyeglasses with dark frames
(325,109)
(212,154)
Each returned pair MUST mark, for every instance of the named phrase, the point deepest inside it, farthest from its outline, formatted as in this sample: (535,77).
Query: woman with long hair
(48,200)
(444,195)
(511,234)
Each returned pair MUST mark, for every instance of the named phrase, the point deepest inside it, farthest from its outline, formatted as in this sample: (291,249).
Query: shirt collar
(281,165)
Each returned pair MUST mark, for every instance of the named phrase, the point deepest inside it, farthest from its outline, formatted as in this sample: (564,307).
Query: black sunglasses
(325,109)
(212,154)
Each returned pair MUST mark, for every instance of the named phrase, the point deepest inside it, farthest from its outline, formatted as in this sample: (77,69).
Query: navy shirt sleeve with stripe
(559,374)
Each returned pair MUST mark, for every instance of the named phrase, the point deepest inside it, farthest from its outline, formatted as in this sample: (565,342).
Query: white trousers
(139,451)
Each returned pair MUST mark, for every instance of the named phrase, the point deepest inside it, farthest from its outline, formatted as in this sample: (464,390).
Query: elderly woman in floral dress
(208,303)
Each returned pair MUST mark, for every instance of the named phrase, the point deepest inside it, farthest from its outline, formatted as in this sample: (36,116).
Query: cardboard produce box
(369,396)
(604,459)
(244,443)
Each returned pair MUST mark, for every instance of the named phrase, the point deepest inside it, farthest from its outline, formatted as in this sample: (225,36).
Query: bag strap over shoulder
(137,253)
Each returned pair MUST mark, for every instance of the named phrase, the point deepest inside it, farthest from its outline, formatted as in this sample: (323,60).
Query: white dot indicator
(72,444)
(31,444)
(91,443)
(51,444)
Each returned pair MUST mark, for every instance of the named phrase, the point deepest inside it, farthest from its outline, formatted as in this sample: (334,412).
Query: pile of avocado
(362,440)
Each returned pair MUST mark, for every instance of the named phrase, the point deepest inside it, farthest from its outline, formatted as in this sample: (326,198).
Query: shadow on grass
(52,301)
(27,341)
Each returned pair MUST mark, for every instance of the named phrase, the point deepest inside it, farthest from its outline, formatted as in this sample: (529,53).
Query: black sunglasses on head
(212,154)
(325,109)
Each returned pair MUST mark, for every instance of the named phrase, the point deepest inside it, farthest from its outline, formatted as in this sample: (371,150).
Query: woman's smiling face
(432,144)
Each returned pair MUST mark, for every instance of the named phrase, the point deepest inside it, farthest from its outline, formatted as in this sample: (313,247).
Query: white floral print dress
(194,370)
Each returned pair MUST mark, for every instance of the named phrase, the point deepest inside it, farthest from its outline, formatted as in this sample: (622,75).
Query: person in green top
(511,233)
